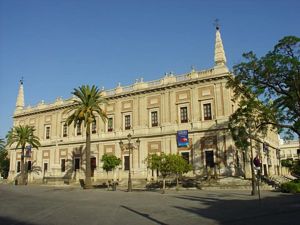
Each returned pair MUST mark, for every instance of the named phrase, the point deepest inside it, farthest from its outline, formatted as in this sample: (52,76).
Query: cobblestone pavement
(45,205)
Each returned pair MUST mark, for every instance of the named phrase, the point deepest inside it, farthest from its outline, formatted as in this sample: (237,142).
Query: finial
(22,80)
(217,24)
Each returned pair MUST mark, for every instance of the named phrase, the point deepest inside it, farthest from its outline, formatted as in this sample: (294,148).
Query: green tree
(179,166)
(22,136)
(110,162)
(162,163)
(274,78)
(246,126)
(86,106)
(4,161)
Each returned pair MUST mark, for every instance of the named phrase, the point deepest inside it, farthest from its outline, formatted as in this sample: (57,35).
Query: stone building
(290,150)
(152,112)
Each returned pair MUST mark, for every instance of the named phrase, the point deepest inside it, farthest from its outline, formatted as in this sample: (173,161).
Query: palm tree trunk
(164,185)
(88,181)
(22,178)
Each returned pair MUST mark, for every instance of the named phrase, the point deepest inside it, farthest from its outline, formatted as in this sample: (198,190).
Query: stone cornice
(168,82)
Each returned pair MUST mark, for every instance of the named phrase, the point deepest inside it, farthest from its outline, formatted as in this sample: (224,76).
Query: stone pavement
(44,205)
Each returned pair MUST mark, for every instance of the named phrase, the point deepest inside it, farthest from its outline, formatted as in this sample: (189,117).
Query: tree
(275,79)
(86,106)
(110,162)
(179,166)
(167,165)
(22,136)
(162,163)
(246,125)
(4,161)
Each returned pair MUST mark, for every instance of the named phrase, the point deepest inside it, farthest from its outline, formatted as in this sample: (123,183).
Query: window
(29,166)
(47,132)
(183,115)
(126,162)
(207,111)
(110,124)
(18,166)
(127,122)
(94,127)
(45,167)
(154,119)
(77,164)
(63,165)
(65,130)
(186,156)
(78,129)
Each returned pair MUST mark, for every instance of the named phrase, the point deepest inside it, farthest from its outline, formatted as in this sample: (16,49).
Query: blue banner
(182,138)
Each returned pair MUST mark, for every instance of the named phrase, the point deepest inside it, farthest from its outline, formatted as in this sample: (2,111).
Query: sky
(58,45)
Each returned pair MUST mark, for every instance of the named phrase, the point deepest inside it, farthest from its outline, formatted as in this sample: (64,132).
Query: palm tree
(22,136)
(1,144)
(86,106)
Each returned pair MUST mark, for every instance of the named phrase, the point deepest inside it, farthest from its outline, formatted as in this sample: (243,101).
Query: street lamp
(129,147)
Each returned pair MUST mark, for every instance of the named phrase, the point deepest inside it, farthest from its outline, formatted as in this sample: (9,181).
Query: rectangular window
(154,119)
(77,164)
(18,166)
(127,122)
(207,111)
(126,162)
(45,167)
(183,115)
(63,165)
(94,127)
(110,124)
(47,132)
(29,166)
(65,130)
(78,129)
(186,156)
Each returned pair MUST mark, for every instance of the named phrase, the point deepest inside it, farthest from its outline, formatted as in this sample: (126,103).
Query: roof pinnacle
(20,99)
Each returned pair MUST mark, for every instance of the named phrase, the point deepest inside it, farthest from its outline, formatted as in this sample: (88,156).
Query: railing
(154,83)
(129,88)
(182,78)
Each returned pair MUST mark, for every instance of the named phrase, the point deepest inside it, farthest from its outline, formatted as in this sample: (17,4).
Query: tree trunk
(177,182)
(164,184)
(253,179)
(88,181)
(22,177)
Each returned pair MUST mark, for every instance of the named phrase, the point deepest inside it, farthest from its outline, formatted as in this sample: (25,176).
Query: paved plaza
(45,205)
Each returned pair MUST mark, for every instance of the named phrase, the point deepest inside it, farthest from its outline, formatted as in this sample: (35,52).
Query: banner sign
(182,138)
(28,151)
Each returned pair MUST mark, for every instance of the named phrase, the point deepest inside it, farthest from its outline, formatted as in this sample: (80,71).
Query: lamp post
(129,147)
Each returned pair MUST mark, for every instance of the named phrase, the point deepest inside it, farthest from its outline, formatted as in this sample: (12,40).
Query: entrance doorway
(93,166)
(265,170)
(209,159)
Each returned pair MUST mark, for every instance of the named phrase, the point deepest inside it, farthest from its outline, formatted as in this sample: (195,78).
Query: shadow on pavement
(282,209)
(147,216)
(10,221)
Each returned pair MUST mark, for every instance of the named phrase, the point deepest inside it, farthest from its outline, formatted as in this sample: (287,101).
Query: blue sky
(57,45)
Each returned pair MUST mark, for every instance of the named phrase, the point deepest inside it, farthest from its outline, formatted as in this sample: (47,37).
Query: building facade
(290,150)
(152,112)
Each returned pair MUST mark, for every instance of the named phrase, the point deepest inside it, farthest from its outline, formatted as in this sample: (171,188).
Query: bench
(47,180)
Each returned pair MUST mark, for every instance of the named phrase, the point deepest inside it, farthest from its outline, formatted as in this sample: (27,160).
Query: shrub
(291,187)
